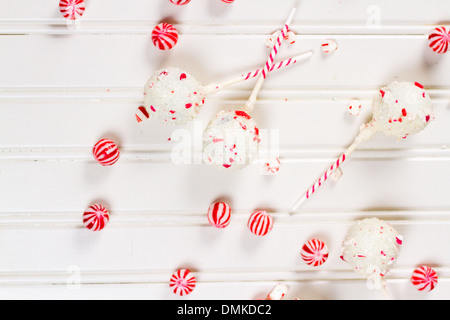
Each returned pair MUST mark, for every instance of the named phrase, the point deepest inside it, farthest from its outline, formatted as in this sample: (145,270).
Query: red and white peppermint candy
(314,252)
(424,278)
(219,215)
(164,36)
(439,40)
(260,223)
(106,152)
(96,217)
(72,9)
(180,2)
(182,282)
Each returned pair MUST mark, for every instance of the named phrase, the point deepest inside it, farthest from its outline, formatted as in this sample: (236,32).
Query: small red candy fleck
(404,113)
(242,114)
(419,85)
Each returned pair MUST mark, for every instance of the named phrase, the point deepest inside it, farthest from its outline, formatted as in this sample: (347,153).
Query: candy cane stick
(250,104)
(232,139)
(214,88)
(366,133)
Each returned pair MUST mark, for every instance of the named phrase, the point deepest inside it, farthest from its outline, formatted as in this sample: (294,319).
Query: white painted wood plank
(38,186)
(128,60)
(235,259)
(136,249)
(327,11)
(311,124)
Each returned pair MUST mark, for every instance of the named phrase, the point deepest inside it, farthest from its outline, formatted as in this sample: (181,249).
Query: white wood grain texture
(325,11)
(61,90)
(128,60)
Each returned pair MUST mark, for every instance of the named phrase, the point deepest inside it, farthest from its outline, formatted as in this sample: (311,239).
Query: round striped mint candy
(182,282)
(219,215)
(72,9)
(424,278)
(180,2)
(260,223)
(106,152)
(314,252)
(164,36)
(439,40)
(96,217)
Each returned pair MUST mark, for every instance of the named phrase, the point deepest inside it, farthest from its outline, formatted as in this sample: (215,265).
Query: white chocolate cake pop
(173,96)
(402,109)
(399,110)
(231,140)
(371,247)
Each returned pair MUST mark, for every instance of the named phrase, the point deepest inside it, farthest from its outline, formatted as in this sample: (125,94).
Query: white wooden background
(62,90)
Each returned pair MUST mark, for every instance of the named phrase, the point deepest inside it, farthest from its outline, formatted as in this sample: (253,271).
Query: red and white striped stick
(214,88)
(365,134)
(250,104)
(277,66)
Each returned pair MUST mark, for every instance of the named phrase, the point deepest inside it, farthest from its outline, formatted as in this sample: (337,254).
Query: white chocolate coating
(173,95)
(278,292)
(371,247)
(402,109)
(231,140)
